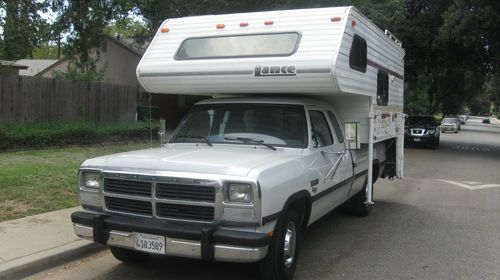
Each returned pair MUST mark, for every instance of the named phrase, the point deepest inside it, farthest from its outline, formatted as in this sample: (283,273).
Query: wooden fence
(43,99)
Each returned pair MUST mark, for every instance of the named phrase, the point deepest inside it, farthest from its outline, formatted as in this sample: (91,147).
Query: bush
(59,133)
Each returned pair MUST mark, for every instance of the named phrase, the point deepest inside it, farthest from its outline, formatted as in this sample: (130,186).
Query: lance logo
(262,71)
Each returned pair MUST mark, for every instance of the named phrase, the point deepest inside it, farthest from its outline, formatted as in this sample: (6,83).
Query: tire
(356,205)
(281,260)
(128,256)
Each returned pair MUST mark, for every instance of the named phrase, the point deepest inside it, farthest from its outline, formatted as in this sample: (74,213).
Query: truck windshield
(271,124)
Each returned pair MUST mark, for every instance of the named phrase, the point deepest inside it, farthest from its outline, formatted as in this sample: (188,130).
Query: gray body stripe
(215,73)
(317,70)
(204,73)
(385,69)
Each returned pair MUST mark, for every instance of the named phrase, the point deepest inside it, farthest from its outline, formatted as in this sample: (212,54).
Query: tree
(22,28)
(85,21)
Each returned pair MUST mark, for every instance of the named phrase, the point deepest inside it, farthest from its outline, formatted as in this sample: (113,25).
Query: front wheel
(281,259)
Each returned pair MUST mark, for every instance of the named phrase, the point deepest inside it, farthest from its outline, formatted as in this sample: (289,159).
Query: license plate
(416,139)
(150,243)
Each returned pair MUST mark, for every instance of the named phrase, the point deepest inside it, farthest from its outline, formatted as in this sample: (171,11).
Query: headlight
(431,131)
(91,180)
(240,193)
(88,189)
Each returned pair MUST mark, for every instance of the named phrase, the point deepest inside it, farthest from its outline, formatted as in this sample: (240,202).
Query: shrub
(59,133)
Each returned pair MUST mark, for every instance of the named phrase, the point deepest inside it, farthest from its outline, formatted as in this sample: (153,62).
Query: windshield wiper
(203,138)
(251,140)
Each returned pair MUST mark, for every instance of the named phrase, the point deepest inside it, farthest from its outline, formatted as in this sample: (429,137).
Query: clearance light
(335,19)
(269,22)
(244,24)
(164,30)
(354,23)
(220,26)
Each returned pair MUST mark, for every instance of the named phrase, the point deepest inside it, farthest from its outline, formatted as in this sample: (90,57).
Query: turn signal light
(164,30)
(221,26)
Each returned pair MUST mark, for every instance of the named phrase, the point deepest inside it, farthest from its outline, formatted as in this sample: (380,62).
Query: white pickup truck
(246,171)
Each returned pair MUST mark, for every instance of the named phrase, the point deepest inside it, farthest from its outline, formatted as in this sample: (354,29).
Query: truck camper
(304,114)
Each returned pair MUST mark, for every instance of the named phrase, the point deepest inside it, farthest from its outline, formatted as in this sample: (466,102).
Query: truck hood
(219,159)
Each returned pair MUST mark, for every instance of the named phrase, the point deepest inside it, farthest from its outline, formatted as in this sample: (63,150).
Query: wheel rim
(290,244)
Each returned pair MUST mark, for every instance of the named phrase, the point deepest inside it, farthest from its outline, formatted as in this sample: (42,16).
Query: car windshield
(263,124)
(419,120)
(450,120)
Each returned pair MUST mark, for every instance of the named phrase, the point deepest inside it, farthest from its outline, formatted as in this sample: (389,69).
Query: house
(119,56)
(35,66)
(11,67)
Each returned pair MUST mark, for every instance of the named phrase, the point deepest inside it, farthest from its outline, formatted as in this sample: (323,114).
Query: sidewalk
(36,243)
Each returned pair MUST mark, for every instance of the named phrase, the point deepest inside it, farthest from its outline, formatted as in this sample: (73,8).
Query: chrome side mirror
(352,141)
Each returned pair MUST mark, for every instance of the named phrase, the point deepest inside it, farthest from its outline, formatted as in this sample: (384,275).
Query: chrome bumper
(180,247)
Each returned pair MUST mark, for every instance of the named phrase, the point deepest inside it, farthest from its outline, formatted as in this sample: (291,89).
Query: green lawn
(38,181)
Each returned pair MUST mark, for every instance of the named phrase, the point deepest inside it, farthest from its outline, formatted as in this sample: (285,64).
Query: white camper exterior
(320,62)
(321,57)
(306,116)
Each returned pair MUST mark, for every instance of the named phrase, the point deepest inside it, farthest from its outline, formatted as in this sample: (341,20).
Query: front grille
(128,205)
(158,198)
(185,212)
(185,192)
(127,187)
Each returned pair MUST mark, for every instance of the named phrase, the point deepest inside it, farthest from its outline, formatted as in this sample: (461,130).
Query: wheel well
(301,202)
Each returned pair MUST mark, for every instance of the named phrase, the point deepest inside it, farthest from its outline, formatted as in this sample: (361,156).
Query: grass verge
(39,181)
(60,133)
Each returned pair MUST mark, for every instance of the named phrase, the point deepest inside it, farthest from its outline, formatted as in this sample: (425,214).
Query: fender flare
(298,196)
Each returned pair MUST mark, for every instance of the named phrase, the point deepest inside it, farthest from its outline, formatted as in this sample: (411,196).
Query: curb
(32,264)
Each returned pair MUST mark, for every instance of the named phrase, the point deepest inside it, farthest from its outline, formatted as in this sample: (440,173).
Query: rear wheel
(128,256)
(281,259)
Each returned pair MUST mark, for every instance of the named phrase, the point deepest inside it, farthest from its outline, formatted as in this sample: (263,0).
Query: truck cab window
(273,124)
(358,54)
(336,127)
(321,134)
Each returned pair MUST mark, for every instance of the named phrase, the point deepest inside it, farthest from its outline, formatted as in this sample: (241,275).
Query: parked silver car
(449,125)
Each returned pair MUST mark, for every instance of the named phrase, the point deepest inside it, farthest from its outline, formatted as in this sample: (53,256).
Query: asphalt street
(442,221)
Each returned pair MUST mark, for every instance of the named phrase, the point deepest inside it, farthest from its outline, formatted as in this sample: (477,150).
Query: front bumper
(190,241)
(415,139)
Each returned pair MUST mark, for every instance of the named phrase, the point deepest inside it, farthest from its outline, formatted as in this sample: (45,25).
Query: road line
(468,186)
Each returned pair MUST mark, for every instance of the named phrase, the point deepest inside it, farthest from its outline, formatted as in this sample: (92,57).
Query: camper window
(357,56)
(254,45)
(382,88)
(321,134)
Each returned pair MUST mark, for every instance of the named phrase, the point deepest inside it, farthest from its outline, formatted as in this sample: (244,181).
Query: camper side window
(382,88)
(357,56)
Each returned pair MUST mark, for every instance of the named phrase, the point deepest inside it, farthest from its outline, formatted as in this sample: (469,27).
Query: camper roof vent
(396,40)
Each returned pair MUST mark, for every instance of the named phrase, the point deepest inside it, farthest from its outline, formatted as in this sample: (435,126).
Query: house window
(382,88)
(321,134)
(357,56)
